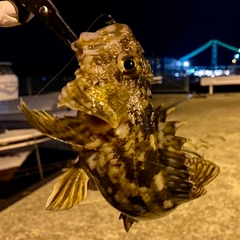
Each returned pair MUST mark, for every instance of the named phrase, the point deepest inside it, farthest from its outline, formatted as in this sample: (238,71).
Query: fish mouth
(104,108)
(97,90)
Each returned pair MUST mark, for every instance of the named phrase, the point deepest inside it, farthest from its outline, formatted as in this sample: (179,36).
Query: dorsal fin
(165,134)
(185,176)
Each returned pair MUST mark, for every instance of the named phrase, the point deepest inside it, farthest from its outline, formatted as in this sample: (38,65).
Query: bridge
(212,81)
(212,43)
(170,73)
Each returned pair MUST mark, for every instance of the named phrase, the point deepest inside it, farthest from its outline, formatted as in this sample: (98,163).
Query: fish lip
(114,121)
(108,104)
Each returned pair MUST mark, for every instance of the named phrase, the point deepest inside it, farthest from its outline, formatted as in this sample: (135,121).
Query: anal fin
(127,221)
(92,185)
(70,189)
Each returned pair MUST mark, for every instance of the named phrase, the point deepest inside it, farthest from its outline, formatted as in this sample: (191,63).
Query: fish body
(127,149)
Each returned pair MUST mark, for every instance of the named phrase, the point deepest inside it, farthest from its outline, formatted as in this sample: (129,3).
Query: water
(27,178)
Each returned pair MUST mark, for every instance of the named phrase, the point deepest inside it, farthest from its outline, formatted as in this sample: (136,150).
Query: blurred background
(184,41)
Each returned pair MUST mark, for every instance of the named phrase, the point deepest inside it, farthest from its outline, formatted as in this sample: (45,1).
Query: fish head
(113,81)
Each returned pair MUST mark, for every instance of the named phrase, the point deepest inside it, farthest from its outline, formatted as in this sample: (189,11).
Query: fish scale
(127,149)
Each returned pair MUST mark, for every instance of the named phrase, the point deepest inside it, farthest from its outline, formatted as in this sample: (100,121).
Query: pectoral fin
(70,190)
(68,129)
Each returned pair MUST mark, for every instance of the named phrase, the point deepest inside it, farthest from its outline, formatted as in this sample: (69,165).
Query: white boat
(17,137)
(10,114)
(9,98)
(15,147)
(8,82)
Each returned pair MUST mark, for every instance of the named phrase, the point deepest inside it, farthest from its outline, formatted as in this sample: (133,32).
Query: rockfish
(127,149)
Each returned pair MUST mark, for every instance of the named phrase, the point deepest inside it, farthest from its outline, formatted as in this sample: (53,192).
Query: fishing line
(52,79)
(102,15)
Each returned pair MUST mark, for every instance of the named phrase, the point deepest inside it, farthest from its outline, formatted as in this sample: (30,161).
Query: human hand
(8,14)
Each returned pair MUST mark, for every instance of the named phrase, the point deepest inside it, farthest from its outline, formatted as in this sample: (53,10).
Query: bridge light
(236,56)
(191,70)
(186,64)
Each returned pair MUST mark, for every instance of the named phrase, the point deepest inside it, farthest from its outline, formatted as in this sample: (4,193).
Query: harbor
(145,179)
(213,129)
(143,172)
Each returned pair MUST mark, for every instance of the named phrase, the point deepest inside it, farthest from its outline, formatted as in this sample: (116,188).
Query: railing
(171,83)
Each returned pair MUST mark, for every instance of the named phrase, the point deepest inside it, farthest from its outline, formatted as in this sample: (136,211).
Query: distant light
(236,56)
(208,72)
(227,72)
(234,61)
(201,72)
(178,63)
(186,64)
(218,72)
(191,70)
(196,73)
(44,79)
(176,74)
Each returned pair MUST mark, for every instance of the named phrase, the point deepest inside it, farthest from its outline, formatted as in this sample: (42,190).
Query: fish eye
(129,64)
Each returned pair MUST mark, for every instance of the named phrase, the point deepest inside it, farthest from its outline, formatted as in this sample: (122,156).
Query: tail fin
(201,173)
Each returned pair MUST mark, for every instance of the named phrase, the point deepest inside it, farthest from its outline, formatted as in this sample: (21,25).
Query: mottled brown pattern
(137,163)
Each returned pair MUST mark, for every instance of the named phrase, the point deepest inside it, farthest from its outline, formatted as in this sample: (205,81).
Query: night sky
(170,28)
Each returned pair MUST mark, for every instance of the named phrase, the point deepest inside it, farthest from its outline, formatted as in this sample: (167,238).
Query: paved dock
(213,126)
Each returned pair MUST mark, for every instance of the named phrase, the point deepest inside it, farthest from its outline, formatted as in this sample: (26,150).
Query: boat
(15,146)
(8,82)
(17,137)
(11,117)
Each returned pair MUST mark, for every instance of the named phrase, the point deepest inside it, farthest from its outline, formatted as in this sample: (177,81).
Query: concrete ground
(213,125)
